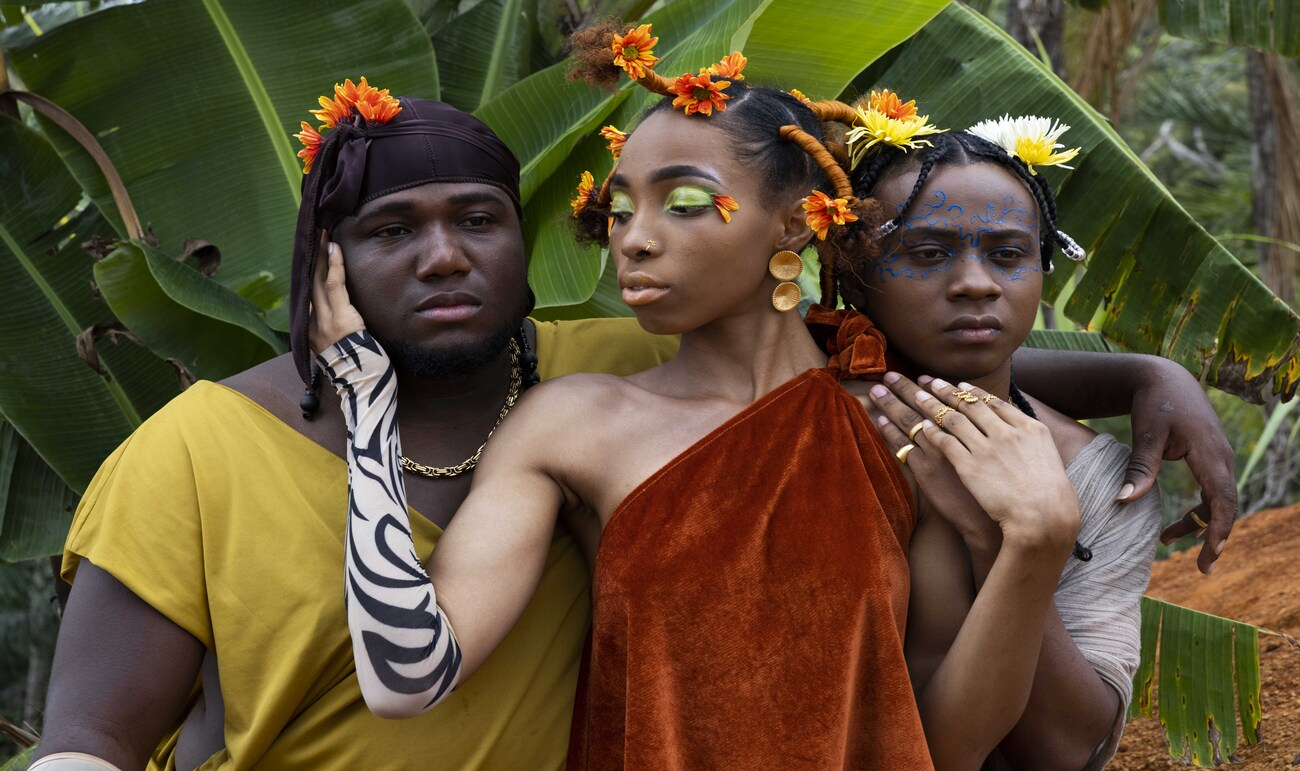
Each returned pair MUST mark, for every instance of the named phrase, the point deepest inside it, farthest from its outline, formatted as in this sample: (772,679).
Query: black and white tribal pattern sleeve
(406,654)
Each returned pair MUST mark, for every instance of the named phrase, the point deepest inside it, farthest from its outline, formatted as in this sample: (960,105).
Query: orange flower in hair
(585,187)
(634,51)
(797,94)
(311,140)
(726,204)
(616,139)
(824,211)
(888,103)
(699,93)
(730,67)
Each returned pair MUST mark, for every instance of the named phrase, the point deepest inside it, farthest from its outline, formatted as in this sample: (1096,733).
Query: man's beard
(431,360)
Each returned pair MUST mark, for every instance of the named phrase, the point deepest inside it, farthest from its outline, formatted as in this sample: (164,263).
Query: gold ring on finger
(1200,523)
(914,430)
(938,416)
(903,452)
(965,396)
(990,398)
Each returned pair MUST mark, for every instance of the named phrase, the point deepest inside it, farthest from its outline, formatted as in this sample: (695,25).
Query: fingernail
(882,421)
(1219,549)
(879,390)
(965,386)
(1124,492)
(922,396)
(937,383)
(924,379)
(927,424)
(891,377)
(1210,569)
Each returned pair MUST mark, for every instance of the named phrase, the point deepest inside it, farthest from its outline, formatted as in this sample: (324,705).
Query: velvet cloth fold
(750,599)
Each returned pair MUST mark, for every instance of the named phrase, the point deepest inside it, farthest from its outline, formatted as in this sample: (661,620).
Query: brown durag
(750,598)
(427,141)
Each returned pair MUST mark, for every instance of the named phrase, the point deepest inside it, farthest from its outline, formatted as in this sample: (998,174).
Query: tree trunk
(1275,193)
(1032,22)
(42,630)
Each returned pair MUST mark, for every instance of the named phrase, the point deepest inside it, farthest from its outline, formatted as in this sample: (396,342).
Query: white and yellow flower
(1032,139)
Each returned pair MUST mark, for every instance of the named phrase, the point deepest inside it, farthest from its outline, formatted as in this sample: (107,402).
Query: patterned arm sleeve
(406,654)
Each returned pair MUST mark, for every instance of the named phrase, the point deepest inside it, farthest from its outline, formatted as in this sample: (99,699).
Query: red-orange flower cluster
(586,185)
(726,205)
(634,51)
(374,105)
(887,103)
(824,211)
(700,93)
(616,139)
(730,67)
(311,140)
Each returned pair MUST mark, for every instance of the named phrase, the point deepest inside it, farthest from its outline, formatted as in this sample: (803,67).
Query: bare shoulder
(275,386)
(1069,435)
(564,404)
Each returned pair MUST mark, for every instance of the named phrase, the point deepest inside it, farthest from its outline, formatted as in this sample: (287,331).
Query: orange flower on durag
(887,103)
(372,104)
(332,111)
(824,211)
(699,93)
(634,51)
(616,139)
(726,205)
(585,185)
(311,140)
(730,67)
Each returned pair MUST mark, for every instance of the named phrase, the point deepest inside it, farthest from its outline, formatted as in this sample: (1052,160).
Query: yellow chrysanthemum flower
(1032,139)
(586,186)
(615,138)
(877,128)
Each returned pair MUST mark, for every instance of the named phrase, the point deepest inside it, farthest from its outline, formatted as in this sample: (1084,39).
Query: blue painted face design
(1002,235)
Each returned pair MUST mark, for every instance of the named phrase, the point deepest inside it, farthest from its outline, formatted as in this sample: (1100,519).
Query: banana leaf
(1160,282)
(35,505)
(196,101)
(1207,670)
(1266,25)
(73,415)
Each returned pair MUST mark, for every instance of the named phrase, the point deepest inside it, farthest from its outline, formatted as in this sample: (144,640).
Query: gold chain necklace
(512,396)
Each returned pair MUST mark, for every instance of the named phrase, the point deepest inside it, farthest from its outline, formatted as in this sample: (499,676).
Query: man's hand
(333,316)
(1173,420)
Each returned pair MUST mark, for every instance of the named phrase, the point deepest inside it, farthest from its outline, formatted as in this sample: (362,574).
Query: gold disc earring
(786,266)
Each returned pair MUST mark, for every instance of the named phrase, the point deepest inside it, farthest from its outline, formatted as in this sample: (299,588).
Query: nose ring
(650,244)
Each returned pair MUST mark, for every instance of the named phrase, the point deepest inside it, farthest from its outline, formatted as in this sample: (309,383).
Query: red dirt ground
(1257,580)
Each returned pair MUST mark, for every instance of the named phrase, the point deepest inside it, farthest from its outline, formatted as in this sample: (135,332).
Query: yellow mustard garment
(230,523)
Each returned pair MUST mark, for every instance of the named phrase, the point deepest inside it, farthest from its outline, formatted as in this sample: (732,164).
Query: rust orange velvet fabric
(750,600)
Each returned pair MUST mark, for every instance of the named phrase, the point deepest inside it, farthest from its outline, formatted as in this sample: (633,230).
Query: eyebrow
(388,208)
(477,197)
(953,232)
(670,172)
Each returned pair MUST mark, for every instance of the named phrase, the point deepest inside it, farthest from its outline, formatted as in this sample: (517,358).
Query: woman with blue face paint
(956,289)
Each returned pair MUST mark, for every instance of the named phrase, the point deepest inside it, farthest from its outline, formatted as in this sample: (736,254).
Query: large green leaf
(562,118)
(1163,284)
(483,51)
(1208,675)
(1268,25)
(35,505)
(205,148)
(71,415)
(182,315)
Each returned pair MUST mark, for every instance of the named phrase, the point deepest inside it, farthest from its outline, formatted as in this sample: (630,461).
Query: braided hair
(960,149)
